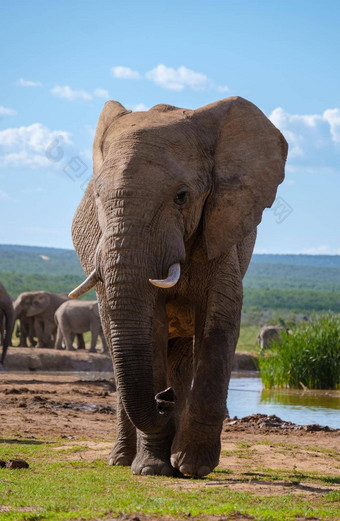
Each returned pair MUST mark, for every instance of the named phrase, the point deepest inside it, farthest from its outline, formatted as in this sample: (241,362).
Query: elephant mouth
(171,280)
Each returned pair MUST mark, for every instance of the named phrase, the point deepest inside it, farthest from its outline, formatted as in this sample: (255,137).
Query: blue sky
(60,61)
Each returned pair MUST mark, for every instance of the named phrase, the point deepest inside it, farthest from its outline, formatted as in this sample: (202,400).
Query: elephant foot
(150,465)
(153,454)
(92,350)
(196,454)
(122,454)
(70,349)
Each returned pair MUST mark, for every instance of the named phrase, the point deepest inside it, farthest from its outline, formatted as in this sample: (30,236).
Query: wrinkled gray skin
(7,321)
(269,334)
(174,186)
(78,316)
(41,306)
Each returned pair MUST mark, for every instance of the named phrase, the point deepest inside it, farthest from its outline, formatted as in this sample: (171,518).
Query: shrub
(309,356)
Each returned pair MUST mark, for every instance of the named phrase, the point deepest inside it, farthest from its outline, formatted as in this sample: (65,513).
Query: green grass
(247,340)
(56,488)
(309,356)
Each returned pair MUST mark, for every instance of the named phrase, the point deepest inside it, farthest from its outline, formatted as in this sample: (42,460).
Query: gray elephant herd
(46,319)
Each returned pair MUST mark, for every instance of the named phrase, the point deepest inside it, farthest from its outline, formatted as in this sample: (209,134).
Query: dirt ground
(47,406)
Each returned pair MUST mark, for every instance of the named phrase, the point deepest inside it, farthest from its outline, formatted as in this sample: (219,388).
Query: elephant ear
(111,111)
(249,155)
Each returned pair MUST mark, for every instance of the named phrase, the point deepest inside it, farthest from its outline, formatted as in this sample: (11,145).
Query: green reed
(308,357)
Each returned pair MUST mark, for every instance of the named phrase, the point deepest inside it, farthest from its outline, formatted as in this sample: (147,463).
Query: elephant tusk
(172,278)
(85,286)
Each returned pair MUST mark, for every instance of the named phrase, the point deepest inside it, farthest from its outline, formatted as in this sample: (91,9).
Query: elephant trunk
(131,300)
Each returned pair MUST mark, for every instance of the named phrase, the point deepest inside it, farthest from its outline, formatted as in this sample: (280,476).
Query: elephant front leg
(124,450)
(196,447)
(94,338)
(39,329)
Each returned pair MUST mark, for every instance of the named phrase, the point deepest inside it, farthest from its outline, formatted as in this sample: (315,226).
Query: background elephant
(41,306)
(269,334)
(165,231)
(74,317)
(6,320)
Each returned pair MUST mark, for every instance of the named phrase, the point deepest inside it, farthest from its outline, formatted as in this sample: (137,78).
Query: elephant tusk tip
(85,286)
(172,278)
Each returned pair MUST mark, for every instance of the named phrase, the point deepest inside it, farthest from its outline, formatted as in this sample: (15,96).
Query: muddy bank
(46,407)
(37,359)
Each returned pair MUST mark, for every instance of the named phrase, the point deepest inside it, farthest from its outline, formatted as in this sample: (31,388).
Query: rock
(34,363)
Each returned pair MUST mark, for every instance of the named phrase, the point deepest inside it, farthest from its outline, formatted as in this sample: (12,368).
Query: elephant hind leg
(59,339)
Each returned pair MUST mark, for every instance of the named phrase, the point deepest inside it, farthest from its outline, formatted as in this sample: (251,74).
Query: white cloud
(34,145)
(297,129)
(172,79)
(4,111)
(29,83)
(139,107)
(308,133)
(86,153)
(332,116)
(102,93)
(177,79)
(324,249)
(223,88)
(124,73)
(64,91)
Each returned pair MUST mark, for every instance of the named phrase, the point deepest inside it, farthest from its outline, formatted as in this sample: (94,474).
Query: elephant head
(22,303)
(40,303)
(164,180)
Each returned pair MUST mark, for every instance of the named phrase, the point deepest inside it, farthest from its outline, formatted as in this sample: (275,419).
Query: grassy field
(61,485)
(247,341)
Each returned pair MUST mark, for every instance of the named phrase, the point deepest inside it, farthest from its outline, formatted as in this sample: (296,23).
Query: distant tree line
(290,299)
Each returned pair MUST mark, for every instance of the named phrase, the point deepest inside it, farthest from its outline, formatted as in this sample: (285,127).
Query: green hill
(44,261)
(322,261)
(302,283)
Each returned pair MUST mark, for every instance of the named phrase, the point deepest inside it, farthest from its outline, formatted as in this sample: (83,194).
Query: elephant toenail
(203,471)
(147,471)
(186,469)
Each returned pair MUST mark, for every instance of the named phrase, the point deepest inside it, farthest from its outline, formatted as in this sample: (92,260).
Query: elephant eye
(181,197)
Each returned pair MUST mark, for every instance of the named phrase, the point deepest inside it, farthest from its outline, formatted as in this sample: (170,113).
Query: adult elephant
(77,317)
(6,319)
(165,231)
(41,306)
